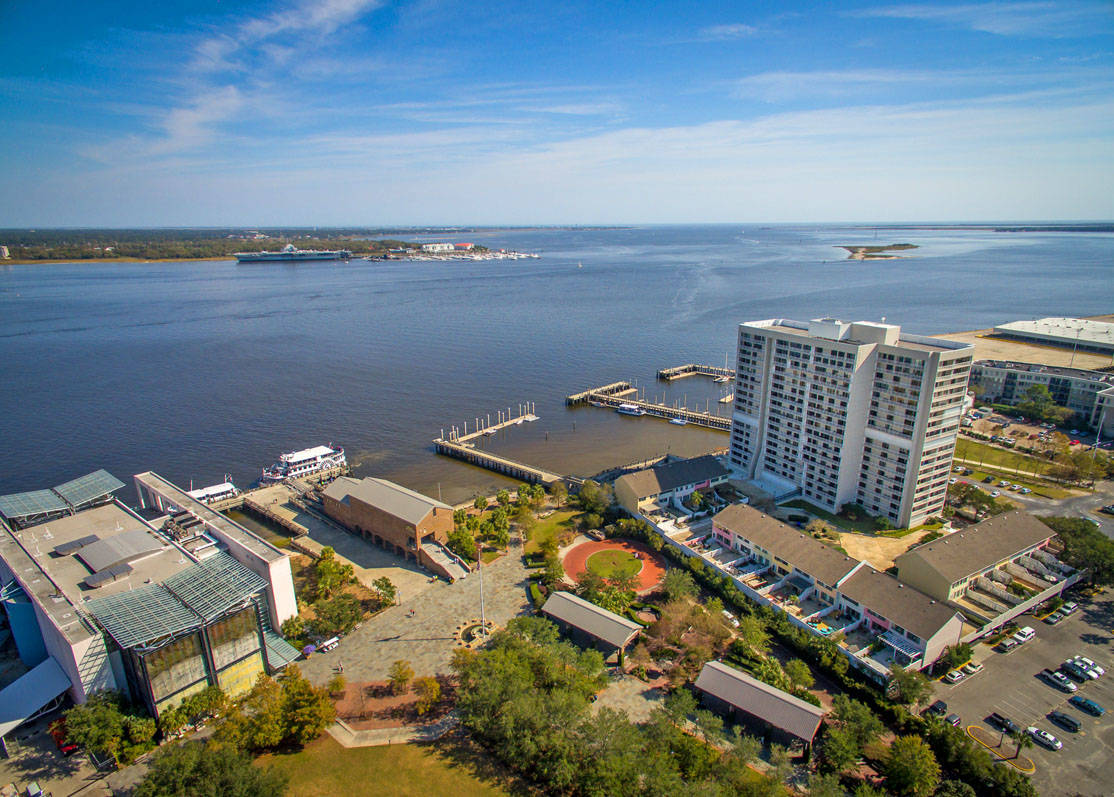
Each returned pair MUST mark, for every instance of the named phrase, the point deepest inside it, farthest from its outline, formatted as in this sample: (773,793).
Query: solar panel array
(215,585)
(64,498)
(29,504)
(88,488)
(143,615)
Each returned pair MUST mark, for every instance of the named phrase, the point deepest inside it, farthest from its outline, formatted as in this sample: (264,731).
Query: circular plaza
(616,559)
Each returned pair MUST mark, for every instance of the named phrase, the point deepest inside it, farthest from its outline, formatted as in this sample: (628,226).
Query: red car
(1075,442)
(57,731)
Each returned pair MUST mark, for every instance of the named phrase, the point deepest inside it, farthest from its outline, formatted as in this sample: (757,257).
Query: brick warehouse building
(405,522)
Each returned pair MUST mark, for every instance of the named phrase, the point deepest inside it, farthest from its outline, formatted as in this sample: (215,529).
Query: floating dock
(616,394)
(694,369)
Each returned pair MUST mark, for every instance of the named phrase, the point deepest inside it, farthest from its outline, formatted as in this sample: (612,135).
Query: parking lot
(1009,685)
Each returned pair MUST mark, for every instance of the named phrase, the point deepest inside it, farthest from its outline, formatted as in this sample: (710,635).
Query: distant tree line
(184,244)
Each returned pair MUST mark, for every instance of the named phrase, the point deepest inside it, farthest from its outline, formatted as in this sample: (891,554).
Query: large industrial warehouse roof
(767,703)
(588,617)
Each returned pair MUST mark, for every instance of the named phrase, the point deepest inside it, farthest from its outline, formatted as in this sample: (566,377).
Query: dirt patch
(879,551)
(367,706)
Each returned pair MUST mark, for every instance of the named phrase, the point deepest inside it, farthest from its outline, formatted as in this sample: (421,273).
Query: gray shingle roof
(663,478)
(981,546)
(392,498)
(800,550)
(897,602)
(767,703)
(588,617)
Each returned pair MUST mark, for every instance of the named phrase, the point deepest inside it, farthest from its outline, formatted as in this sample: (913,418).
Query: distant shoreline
(17,262)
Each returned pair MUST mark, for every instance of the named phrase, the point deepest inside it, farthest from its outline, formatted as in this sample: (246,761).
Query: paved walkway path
(427,638)
(380,737)
(653,563)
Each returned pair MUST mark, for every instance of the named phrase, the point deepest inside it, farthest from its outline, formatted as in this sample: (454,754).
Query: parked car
(1008,644)
(1076,672)
(995,493)
(1069,607)
(937,709)
(1089,665)
(1004,724)
(972,669)
(1023,635)
(1054,618)
(1003,483)
(1057,679)
(1065,721)
(1025,491)
(955,676)
(988,480)
(1088,705)
(953,720)
(1044,738)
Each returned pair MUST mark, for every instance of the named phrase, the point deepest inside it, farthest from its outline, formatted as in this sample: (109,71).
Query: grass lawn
(560,520)
(324,768)
(613,564)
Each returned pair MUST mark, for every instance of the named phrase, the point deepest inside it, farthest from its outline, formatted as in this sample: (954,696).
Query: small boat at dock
(630,409)
(678,422)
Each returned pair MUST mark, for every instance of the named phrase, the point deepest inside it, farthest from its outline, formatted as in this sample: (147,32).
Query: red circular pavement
(653,565)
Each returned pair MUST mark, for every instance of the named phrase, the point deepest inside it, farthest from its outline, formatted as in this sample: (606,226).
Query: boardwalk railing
(615,395)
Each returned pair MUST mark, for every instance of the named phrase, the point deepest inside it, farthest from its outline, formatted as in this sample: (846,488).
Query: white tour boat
(304,463)
(630,409)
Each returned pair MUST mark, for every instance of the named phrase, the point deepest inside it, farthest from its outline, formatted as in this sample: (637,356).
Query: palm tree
(1022,739)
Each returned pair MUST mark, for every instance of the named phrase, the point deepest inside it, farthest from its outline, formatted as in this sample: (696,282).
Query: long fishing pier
(693,369)
(458,445)
(617,394)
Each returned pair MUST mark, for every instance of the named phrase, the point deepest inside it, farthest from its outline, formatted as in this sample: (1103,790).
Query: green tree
(195,769)
(1085,547)
(400,675)
(591,520)
(428,690)
(386,590)
(97,724)
(331,574)
(910,768)
(857,719)
(554,573)
(480,503)
(503,498)
(1021,740)
(799,673)
(825,786)
(678,584)
(307,709)
(954,788)
(908,686)
(171,721)
(559,493)
(336,685)
(594,498)
(753,634)
(839,750)
(264,725)
(294,628)
(337,614)
(462,543)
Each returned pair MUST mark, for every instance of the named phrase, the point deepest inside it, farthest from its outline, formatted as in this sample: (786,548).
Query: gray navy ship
(292,253)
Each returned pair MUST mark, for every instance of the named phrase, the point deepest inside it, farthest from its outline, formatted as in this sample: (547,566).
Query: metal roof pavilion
(142,616)
(89,487)
(214,585)
(18,506)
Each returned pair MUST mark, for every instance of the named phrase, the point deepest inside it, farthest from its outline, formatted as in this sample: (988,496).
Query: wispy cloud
(1036,19)
(736,30)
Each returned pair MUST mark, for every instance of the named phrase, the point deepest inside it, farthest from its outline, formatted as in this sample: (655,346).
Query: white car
(1087,664)
(1025,491)
(995,493)
(972,669)
(1044,738)
(955,676)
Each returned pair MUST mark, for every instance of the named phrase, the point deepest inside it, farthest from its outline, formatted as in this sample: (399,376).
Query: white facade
(438,247)
(849,413)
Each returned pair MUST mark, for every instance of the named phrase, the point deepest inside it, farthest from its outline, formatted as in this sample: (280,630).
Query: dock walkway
(614,395)
(693,369)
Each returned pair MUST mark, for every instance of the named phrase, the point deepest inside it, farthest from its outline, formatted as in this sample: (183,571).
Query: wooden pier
(494,462)
(616,394)
(483,427)
(694,369)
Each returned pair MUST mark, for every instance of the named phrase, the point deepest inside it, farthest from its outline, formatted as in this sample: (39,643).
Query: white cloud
(735,30)
(1038,19)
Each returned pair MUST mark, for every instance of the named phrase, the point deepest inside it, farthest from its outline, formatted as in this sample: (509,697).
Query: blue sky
(375,112)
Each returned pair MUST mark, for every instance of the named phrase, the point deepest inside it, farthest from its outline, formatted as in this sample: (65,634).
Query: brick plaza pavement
(428,638)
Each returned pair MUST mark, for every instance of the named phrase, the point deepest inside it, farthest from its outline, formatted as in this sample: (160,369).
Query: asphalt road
(1009,685)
